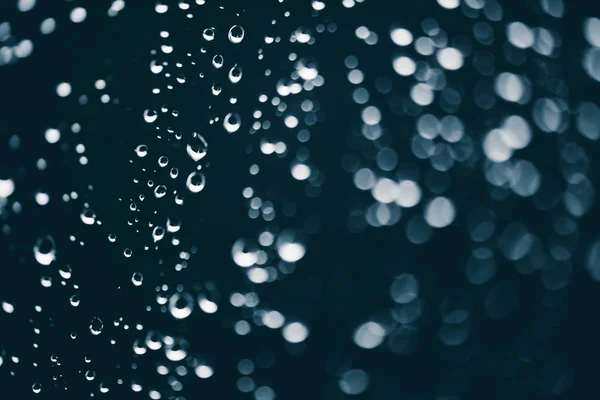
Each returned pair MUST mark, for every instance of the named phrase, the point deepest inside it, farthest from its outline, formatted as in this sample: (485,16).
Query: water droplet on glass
(197,147)
(235,74)
(236,34)
(88,216)
(36,387)
(158,233)
(208,34)
(217,61)
(160,191)
(96,326)
(232,122)
(195,182)
(137,278)
(141,150)
(150,116)
(45,250)
(181,305)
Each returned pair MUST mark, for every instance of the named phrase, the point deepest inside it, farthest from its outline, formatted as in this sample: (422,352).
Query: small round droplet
(96,326)
(75,300)
(36,387)
(137,278)
(195,182)
(208,34)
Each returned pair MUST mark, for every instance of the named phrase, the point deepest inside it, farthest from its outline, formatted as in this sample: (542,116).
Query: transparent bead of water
(195,182)
(197,147)
(235,74)
(217,61)
(44,250)
(96,326)
(208,34)
(236,34)
(232,122)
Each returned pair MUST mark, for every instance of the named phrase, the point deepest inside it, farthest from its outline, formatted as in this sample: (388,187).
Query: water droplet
(217,61)
(36,387)
(45,250)
(181,305)
(236,34)
(160,191)
(158,233)
(232,122)
(96,326)
(195,182)
(197,147)
(150,116)
(141,150)
(235,74)
(88,216)
(75,300)
(208,34)
(137,278)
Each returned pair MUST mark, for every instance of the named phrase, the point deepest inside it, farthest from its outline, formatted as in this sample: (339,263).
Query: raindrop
(235,74)
(197,147)
(236,34)
(232,122)
(195,182)
(208,34)
(160,191)
(137,278)
(96,326)
(45,250)
(141,150)
(217,61)
(150,116)
(181,305)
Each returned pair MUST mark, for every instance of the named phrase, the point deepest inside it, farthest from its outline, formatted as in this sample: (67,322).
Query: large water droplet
(181,305)
(197,147)
(236,34)
(137,278)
